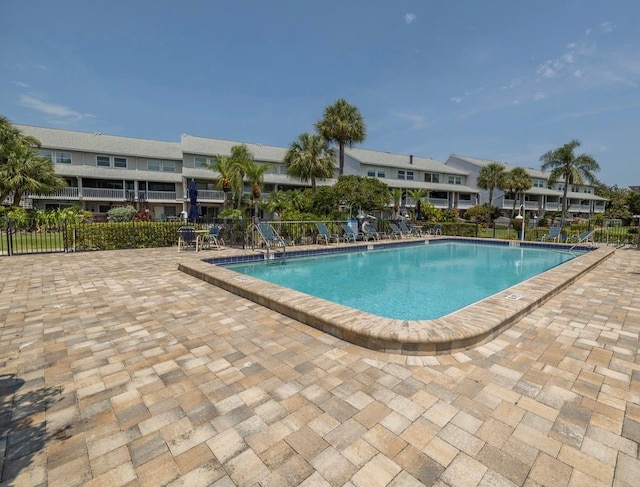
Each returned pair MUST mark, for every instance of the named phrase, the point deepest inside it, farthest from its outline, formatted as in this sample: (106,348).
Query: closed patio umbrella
(418,210)
(193,199)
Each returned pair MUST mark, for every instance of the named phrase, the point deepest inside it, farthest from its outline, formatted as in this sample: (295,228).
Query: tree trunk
(565,205)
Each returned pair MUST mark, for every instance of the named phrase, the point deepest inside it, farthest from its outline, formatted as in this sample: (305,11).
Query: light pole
(520,217)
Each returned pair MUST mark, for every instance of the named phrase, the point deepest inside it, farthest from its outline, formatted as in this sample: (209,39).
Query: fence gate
(25,237)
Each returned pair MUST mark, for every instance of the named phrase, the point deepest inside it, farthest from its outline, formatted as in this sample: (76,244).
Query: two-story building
(540,198)
(103,171)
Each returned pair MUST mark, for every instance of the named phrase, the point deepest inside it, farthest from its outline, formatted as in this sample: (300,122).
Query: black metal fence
(27,237)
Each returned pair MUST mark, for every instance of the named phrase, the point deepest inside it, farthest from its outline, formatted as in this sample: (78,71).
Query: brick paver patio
(117,369)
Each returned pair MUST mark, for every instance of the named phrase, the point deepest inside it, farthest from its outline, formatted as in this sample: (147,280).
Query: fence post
(64,235)
(9,240)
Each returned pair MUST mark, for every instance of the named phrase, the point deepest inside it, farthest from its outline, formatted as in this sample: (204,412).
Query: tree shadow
(23,430)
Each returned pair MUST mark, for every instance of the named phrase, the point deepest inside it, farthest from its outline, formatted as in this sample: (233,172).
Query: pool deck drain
(463,329)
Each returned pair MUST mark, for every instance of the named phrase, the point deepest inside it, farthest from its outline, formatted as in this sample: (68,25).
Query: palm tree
(25,171)
(241,158)
(255,175)
(21,168)
(310,158)
(572,169)
(416,195)
(343,124)
(517,181)
(489,178)
(396,195)
(223,166)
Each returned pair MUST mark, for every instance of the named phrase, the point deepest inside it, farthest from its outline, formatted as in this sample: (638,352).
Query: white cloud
(546,70)
(539,96)
(51,108)
(587,32)
(417,121)
(409,18)
(21,84)
(578,73)
(606,26)
(455,99)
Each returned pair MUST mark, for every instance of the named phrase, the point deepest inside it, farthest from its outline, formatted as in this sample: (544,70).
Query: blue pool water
(413,282)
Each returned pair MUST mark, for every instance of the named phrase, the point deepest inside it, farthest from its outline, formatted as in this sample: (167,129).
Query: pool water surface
(417,282)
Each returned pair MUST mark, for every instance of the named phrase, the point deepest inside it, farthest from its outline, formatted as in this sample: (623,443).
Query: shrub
(121,214)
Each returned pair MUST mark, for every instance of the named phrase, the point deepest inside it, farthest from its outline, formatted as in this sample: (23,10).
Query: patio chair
(350,235)
(187,237)
(413,231)
(437,230)
(369,232)
(584,237)
(270,237)
(553,235)
(213,238)
(395,231)
(326,235)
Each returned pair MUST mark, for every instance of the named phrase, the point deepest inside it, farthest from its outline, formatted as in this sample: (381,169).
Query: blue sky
(500,79)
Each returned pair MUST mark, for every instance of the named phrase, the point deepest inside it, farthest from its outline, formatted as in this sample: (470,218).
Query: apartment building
(541,197)
(103,171)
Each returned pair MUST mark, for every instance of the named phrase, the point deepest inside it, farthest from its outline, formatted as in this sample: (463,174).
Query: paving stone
(157,378)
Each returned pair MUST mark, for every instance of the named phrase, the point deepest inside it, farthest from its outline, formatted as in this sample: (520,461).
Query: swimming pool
(418,282)
(468,327)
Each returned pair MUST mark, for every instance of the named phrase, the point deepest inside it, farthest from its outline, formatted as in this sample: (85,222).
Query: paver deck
(118,369)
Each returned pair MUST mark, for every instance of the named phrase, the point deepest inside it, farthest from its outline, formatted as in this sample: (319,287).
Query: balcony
(63,194)
(209,195)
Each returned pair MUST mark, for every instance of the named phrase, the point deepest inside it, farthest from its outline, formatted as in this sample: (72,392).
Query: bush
(122,235)
(121,214)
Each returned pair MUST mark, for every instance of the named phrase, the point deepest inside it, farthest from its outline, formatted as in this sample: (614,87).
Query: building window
(408,175)
(163,166)
(200,162)
(120,162)
(539,183)
(430,177)
(103,161)
(374,172)
(63,158)
(46,154)
(454,180)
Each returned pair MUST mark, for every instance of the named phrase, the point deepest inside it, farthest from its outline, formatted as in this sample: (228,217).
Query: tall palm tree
(568,167)
(310,158)
(241,159)
(343,124)
(255,175)
(517,181)
(489,178)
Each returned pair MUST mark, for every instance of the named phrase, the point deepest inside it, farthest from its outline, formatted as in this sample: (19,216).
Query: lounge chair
(326,235)
(395,231)
(187,237)
(350,235)
(270,237)
(368,231)
(413,231)
(437,230)
(213,238)
(584,237)
(553,235)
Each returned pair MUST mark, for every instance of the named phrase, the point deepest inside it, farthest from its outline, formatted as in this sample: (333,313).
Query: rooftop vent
(410,158)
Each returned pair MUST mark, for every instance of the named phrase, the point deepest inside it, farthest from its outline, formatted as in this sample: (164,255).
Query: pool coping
(465,328)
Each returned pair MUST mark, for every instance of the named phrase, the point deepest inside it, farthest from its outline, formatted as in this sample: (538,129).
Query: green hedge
(122,235)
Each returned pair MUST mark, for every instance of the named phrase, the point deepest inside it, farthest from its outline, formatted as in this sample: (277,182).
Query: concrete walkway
(117,369)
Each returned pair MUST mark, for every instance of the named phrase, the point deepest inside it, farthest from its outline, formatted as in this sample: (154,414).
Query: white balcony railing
(64,193)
